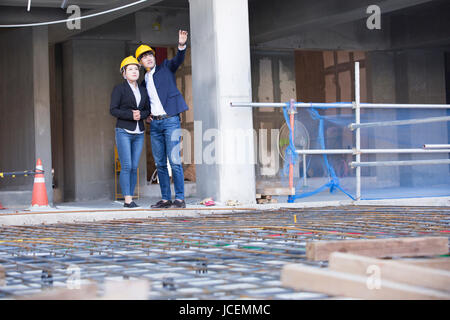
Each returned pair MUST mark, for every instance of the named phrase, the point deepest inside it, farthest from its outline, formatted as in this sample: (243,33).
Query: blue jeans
(166,143)
(129,148)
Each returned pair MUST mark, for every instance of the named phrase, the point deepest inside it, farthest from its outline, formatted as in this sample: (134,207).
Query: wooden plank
(277,191)
(392,270)
(436,263)
(334,283)
(266,200)
(398,247)
(85,292)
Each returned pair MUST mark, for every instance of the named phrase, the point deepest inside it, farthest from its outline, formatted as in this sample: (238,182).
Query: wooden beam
(393,270)
(392,247)
(334,283)
(279,191)
(436,263)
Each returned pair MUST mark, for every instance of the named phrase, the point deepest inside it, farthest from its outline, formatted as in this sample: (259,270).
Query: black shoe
(132,204)
(179,204)
(162,204)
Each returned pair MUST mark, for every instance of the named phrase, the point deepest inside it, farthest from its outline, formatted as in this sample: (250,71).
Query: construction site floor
(199,252)
(104,209)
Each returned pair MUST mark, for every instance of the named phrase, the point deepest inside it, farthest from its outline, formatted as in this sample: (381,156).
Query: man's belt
(164,116)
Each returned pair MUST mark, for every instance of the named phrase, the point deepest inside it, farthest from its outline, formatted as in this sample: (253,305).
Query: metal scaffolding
(357,105)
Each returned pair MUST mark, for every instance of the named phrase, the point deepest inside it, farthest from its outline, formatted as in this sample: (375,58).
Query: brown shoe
(179,204)
(162,204)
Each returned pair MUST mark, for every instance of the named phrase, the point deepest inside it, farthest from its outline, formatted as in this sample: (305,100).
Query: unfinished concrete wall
(16,106)
(25,106)
(273,80)
(420,78)
(91,70)
(381,87)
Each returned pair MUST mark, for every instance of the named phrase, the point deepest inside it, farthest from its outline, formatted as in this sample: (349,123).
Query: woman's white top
(137,95)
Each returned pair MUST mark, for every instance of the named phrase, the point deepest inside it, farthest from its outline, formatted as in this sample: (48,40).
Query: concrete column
(25,133)
(224,142)
(16,106)
(41,99)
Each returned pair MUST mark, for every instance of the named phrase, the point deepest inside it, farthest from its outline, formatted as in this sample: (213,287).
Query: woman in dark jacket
(130,105)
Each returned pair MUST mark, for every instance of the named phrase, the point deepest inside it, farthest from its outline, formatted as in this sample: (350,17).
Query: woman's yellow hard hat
(143,48)
(128,60)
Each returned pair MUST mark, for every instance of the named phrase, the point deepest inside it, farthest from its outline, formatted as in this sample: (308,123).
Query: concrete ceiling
(15,12)
(295,24)
(269,20)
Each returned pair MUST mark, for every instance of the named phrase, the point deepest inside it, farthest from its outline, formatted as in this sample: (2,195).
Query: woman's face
(148,60)
(131,72)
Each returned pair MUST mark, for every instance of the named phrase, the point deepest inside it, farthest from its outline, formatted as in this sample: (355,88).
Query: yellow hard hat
(128,60)
(143,48)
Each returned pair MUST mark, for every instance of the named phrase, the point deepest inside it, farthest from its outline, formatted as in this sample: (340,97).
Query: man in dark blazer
(166,103)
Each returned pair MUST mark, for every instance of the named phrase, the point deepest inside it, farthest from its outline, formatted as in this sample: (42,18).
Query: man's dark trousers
(166,142)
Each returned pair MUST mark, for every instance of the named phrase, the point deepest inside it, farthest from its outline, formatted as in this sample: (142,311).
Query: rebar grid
(219,256)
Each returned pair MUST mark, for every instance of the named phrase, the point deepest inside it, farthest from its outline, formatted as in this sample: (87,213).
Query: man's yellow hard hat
(128,60)
(143,48)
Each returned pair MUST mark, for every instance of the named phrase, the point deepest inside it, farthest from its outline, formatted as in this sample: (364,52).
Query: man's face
(148,60)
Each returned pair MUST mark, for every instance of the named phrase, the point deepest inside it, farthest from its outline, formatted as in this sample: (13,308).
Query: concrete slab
(104,210)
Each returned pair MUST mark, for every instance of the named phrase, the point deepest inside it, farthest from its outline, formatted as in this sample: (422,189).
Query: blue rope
(292,156)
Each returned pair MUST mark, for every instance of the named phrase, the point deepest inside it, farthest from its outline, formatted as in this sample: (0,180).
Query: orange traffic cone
(39,198)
